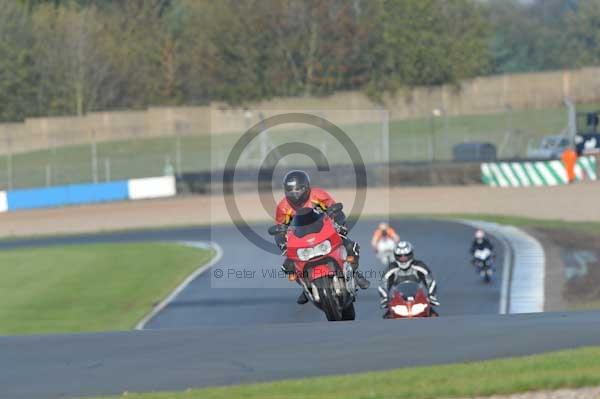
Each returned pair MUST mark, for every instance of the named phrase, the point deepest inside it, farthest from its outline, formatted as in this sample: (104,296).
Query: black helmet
(296,185)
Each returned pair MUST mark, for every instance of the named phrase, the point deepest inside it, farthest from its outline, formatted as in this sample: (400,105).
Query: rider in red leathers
(299,194)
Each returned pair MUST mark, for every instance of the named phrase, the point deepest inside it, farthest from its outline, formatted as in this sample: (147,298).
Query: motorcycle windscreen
(307,221)
(407,289)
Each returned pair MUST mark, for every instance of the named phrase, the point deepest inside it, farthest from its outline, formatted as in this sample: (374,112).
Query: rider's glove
(288,267)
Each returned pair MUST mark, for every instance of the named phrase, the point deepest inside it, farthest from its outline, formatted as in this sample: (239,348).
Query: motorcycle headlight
(305,254)
(321,249)
(400,310)
(418,308)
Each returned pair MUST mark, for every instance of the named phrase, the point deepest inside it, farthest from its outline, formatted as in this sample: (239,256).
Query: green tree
(18,78)
(582,42)
(428,42)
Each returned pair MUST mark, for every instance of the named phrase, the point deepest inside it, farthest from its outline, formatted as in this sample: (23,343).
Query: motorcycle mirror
(277,229)
(337,207)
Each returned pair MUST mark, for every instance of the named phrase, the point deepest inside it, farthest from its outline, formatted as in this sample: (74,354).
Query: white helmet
(383,226)
(479,235)
(403,253)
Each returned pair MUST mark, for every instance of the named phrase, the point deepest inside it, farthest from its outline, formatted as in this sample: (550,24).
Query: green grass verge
(89,287)
(571,368)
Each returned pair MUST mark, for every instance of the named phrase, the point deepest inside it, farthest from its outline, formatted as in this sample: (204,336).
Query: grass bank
(565,369)
(83,288)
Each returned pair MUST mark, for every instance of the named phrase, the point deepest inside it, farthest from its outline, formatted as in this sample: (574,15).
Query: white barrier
(151,187)
(3,202)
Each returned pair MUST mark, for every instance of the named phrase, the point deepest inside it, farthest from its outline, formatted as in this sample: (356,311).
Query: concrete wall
(478,96)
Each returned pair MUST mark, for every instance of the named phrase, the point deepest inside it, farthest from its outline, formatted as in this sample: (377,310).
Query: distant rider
(480,242)
(404,266)
(299,194)
(383,230)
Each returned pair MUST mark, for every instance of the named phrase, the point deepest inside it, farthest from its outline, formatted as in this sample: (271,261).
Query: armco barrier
(540,173)
(78,194)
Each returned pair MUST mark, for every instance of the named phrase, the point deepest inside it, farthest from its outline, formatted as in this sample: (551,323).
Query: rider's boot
(302,299)
(360,280)
(353,250)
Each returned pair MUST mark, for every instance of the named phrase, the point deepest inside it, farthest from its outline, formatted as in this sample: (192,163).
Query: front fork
(347,285)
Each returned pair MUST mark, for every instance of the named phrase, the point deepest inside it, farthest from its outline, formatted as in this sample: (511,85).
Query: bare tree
(70,55)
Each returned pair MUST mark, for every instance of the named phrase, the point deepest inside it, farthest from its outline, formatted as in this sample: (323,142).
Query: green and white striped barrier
(535,174)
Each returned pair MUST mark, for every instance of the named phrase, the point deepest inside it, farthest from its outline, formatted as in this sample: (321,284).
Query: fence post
(48,175)
(446,138)
(431,148)
(385,138)
(432,137)
(107,169)
(94,158)
(178,153)
(9,163)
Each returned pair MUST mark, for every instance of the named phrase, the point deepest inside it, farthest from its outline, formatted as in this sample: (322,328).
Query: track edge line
(141,325)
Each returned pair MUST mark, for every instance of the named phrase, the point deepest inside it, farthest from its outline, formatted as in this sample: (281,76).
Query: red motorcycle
(321,267)
(406,300)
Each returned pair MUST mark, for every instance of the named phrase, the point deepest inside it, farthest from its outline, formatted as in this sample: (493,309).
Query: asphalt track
(258,334)
(261,295)
(111,363)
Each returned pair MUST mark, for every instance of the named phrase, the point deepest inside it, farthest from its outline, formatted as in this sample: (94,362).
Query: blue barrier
(75,194)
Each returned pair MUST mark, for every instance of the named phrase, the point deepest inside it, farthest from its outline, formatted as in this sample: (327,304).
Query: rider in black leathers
(481,242)
(405,266)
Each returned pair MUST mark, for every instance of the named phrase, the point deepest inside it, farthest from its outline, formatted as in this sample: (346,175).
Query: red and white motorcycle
(320,260)
(406,299)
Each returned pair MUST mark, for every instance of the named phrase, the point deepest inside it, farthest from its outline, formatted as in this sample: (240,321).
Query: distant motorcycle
(385,250)
(483,260)
(406,299)
(319,256)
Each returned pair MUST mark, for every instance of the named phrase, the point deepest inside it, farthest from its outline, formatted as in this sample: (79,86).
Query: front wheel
(329,302)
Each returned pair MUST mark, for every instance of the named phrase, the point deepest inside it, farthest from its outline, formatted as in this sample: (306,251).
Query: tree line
(69,57)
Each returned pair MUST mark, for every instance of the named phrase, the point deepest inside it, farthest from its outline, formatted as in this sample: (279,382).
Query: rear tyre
(486,278)
(348,313)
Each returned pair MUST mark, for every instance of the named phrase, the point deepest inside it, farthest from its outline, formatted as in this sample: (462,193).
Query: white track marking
(196,244)
(524,269)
